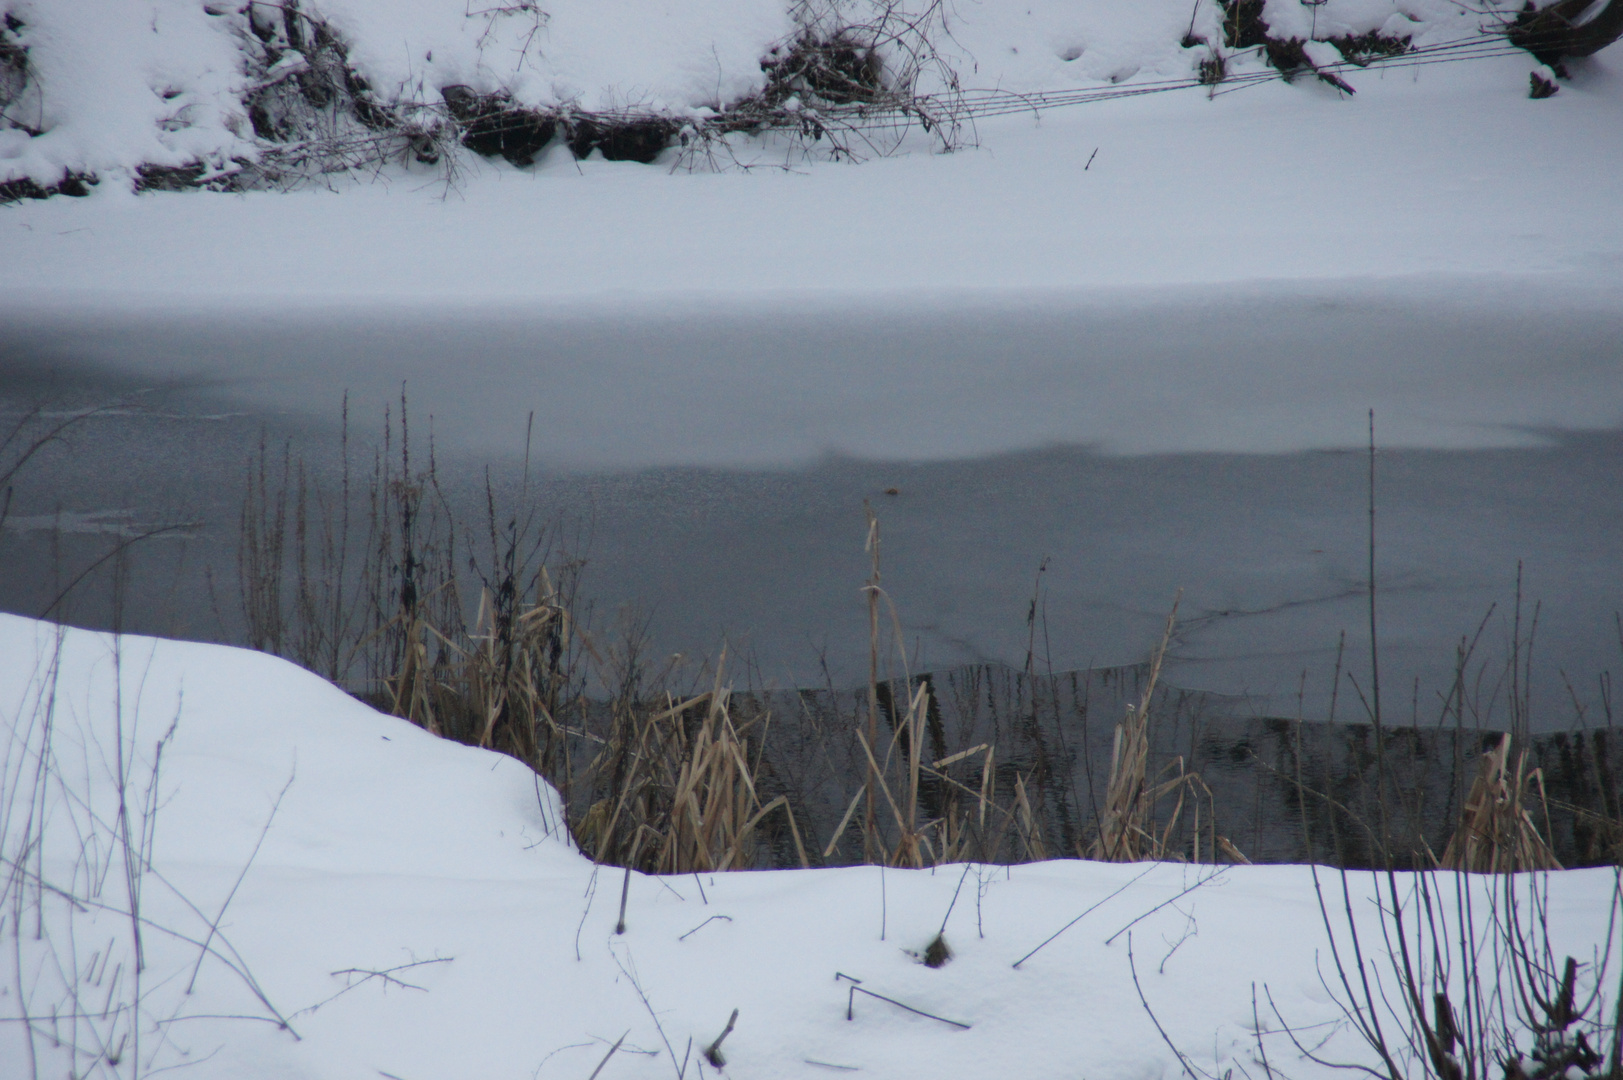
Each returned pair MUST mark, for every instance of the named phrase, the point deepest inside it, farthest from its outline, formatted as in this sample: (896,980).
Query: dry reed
(1128,830)
(1496,833)
(682,795)
(969,824)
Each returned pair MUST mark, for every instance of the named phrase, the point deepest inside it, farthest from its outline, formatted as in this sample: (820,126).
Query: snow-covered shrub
(860,50)
(1561,1048)
(839,69)
(1461,981)
(313,113)
(1293,48)
(853,80)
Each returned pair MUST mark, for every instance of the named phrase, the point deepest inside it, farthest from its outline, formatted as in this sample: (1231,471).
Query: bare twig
(857,988)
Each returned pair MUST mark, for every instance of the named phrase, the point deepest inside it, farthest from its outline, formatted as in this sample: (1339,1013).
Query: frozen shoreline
(327,841)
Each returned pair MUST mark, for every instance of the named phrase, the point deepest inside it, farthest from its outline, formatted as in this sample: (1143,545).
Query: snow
(592,54)
(1280,184)
(336,841)
(1243,272)
(122,83)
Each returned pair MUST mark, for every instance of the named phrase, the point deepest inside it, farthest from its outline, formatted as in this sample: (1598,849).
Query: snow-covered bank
(94,90)
(387,848)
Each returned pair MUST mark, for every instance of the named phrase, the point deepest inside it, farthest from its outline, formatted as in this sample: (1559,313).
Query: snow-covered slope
(114,85)
(327,892)
(1434,168)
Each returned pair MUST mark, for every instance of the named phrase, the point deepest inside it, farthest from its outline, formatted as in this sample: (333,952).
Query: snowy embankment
(327,892)
(104,88)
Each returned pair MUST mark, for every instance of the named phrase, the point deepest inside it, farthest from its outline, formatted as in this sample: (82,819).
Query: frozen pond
(1142,442)
(762,381)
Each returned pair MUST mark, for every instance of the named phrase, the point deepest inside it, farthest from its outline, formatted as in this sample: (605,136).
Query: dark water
(1269,550)
(1279,790)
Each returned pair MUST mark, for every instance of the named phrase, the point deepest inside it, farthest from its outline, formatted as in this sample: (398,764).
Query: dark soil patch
(169,177)
(1243,25)
(635,139)
(1553,34)
(76,185)
(492,127)
(14,72)
(1245,28)
(13,60)
(1362,49)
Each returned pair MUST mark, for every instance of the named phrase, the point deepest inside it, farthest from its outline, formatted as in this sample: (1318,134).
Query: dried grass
(1128,827)
(1496,833)
(682,793)
(969,825)
(670,781)
(673,783)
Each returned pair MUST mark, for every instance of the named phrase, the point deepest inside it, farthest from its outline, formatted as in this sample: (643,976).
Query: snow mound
(326,892)
(596,55)
(116,84)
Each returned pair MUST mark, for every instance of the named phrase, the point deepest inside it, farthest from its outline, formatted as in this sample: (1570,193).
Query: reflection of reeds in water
(1496,832)
(657,779)
(671,788)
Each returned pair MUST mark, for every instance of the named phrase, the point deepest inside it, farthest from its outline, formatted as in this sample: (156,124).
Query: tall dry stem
(872,846)
(1124,824)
